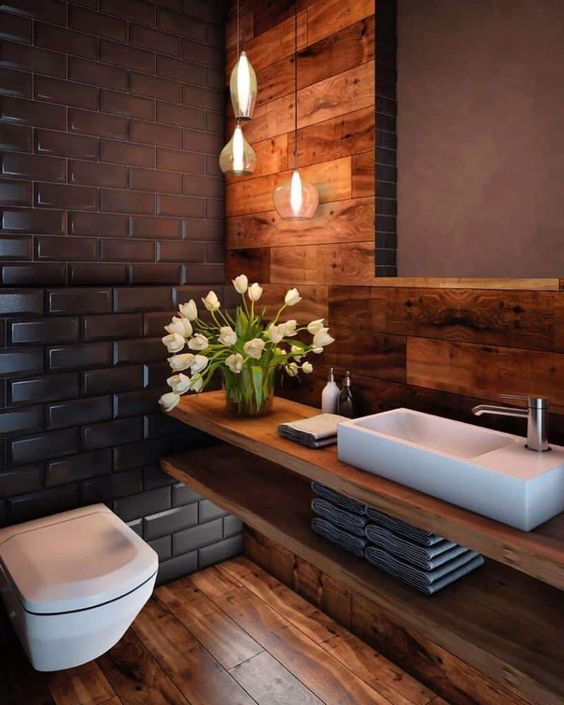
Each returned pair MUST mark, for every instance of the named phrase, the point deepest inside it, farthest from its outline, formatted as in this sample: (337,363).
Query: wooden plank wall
(430,348)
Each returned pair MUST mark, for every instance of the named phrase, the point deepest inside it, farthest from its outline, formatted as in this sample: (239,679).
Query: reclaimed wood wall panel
(336,120)
(438,346)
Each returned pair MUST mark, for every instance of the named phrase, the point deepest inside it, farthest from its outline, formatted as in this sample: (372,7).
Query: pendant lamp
(296,199)
(237,158)
(243,82)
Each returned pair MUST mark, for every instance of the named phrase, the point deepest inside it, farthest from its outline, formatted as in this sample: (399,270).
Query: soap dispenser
(345,406)
(330,394)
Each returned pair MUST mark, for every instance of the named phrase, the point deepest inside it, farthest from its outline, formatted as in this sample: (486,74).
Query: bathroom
(177,553)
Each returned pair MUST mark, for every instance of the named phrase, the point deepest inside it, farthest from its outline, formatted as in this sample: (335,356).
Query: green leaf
(257,384)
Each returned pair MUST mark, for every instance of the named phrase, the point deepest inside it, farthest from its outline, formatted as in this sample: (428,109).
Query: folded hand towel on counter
(316,432)
(342,539)
(338,499)
(428,582)
(424,557)
(353,523)
(412,533)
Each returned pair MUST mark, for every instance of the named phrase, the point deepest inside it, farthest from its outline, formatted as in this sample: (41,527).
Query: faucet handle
(534,401)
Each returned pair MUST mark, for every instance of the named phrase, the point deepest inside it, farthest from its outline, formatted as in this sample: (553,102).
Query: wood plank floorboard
(229,635)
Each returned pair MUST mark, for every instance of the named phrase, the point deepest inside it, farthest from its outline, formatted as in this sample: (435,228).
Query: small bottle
(345,404)
(330,394)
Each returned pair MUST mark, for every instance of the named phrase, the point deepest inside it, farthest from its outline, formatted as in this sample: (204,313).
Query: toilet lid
(74,560)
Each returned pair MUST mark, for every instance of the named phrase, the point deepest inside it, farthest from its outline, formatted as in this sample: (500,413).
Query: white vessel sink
(488,472)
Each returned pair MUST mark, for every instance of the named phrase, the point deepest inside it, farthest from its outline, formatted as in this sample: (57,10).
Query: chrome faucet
(536,415)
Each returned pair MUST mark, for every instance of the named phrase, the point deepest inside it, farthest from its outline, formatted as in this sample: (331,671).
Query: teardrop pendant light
(296,198)
(238,158)
(243,82)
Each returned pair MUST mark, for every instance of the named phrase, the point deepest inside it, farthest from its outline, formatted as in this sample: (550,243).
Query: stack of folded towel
(419,558)
(339,519)
(315,432)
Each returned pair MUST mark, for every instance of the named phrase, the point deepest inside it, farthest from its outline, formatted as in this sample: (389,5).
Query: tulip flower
(211,302)
(179,383)
(253,348)
(290,327)
(227,336)
(315,326)
(180,362)
(241,284)
(292,369)
(322,338)
(198,364)
(235,363)
(173,342)
(307,367)
(276,333)
(189,310)
(255,292)
(169,400)
(198,342)
(180,325)
(196,384)
(292,297)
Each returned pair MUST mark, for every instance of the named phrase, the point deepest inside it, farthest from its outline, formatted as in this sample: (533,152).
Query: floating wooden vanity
(506,620)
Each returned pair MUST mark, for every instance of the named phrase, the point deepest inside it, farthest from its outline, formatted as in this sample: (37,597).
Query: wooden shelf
(538,553)
(502,622)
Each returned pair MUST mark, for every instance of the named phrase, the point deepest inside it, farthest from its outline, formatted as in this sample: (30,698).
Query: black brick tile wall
(111,213)
(386,138)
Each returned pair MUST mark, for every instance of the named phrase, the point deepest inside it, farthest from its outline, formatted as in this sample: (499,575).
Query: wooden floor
(229,635)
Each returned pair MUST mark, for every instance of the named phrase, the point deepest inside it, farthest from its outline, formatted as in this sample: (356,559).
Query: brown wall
(436,349)
(111,214)
(481,146)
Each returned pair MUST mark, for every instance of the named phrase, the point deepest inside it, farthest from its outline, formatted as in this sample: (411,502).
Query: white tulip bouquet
(248,347)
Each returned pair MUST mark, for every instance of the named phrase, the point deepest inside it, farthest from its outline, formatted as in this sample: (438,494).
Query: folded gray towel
(338,499)
(428,582)
(425,557)
(353,523)
(342,539)
(412,533)
(315,432)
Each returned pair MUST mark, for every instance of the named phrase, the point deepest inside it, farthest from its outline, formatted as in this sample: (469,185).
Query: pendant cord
(238,32)
(295,84)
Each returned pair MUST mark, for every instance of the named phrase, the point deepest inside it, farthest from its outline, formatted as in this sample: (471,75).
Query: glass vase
(250,392)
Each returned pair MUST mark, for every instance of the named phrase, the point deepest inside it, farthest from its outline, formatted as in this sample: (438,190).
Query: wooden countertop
(539,553)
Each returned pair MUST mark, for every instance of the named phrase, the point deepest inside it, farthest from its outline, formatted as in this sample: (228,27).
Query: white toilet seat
(73,583)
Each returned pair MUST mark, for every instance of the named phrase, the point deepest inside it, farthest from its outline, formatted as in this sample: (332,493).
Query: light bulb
(296,199)
(243,87)
(237,157)
(296,195)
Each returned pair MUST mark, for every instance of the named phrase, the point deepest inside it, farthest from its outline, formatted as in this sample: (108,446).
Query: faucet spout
(536,415)
(499,411)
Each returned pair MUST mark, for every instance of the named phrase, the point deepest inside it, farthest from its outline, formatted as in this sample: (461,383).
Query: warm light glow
(243,88)
(296,193)
(243,84)
(237,158)
(238,150)
(296,198)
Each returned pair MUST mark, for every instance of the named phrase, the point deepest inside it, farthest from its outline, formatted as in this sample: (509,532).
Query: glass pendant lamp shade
(237,157)
(296,199)
(243,87)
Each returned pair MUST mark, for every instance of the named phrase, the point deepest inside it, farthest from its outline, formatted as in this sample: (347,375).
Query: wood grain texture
(182,656)
(467,368)
(136,675)
(143,670)
(224,639)
(498,620)
(539,553)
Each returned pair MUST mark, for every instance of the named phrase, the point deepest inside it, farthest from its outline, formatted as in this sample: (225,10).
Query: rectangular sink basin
(488,472)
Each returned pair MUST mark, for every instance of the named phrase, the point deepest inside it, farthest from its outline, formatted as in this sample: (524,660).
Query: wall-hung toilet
(73,583)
